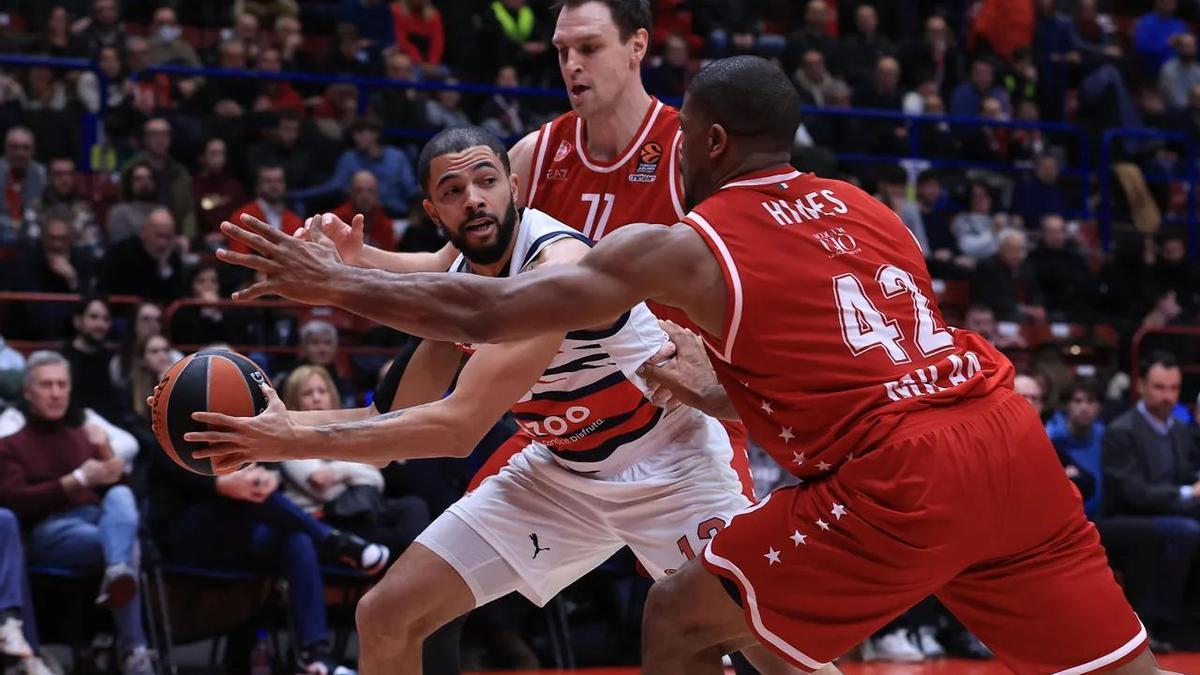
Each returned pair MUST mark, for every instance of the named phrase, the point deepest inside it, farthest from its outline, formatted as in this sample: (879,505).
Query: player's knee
(668,614)
(393,611)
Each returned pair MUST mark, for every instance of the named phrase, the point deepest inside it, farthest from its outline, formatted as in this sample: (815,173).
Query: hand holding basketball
(235,441)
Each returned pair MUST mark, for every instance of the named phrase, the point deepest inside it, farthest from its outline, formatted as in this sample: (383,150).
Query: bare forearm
(400,263)
(717,404)
(448,307)
(314,418)
(413,433)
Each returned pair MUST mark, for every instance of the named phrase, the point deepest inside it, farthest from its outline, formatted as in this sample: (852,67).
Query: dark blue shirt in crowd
(1032,199)
(1084,453)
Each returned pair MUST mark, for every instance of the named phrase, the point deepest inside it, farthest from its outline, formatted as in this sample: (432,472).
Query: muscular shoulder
(565,251)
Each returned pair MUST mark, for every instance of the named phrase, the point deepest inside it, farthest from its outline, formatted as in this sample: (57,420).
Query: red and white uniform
(922,471)
(642,185)
(606,468)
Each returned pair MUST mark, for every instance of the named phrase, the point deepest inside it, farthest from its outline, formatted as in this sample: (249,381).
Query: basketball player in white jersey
(607,468)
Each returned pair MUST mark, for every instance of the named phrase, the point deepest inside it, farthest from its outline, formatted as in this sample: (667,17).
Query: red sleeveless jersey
(642,185)
(832,339)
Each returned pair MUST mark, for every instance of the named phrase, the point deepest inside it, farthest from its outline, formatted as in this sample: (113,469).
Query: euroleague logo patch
(648,158)
(564,149)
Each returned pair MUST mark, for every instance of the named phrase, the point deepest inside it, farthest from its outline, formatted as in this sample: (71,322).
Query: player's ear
(431,211)
(514,184)
(718,140)
(639,41)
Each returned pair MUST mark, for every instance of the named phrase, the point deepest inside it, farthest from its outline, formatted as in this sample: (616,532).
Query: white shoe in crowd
(140,661)
(895,647)
(12,639)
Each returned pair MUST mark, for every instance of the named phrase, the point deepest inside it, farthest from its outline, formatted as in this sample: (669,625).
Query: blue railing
(914,124)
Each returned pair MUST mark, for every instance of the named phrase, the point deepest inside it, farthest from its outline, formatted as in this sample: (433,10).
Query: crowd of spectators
(1003,212)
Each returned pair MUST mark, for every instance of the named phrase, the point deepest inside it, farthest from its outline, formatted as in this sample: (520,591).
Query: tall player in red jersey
(923,472)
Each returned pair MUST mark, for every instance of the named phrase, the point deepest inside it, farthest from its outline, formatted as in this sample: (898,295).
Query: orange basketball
(213,380)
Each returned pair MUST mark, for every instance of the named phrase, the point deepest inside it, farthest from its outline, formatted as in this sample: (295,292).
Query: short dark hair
(59,213)
(928,175)
(750,97)
(267,166)
(1089,386)
(629,15)
(1159,358)
(87,300)
(457,139)
(368,123)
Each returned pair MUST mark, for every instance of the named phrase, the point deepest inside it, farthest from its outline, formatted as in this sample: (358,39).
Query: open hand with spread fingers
(295,268)
(234,442)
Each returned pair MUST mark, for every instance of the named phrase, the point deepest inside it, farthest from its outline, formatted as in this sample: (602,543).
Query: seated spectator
(1174,271)
(1076,433)
(981,319)
(217,192)
(289,40)
(153,357)
(975,229)
(227,98)
(139,196)
(56,39)
(1007,283)
(319,347)
(1152,35)
(145,321)
(733,28)
(379,229)
(149,265)
(372,19)
(501,113)
(268,206)
(969,96)
(101,29)
(888,137)
(1031,390)
(22,182)
(246,30)
(814,80)
(200,324)
(861,52)
(1063,273)
(171,179)
(259,529)
(348,494)
(1040,194)
(401,107)
(283,147)
(62,191)
(51,113)
(66,485)
(1149,470)
(443,111)
(893,191)
(390,165)
(18,630)
(349,56)
(166,44)
(89,356)
(419,34)
(988,142)
(935,57)
(673,71)
(52,265)
(812,34)
(1180,73)
(518,34)
(277,96)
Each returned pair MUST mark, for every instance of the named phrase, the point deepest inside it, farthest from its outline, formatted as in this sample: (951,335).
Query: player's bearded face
(491,250)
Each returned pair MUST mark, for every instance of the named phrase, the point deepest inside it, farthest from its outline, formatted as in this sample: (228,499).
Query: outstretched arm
(493,379)
(671,265)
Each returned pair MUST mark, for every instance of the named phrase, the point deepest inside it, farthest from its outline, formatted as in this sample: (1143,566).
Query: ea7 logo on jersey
(556,174)
(836,241)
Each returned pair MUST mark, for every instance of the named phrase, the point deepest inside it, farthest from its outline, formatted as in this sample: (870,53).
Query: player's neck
(756,162)
(609,134)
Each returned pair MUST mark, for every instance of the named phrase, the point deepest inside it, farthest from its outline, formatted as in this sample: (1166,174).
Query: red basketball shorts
(969,504)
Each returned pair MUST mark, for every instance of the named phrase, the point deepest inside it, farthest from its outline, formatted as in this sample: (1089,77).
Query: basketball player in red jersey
(923,471)
(609,162)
